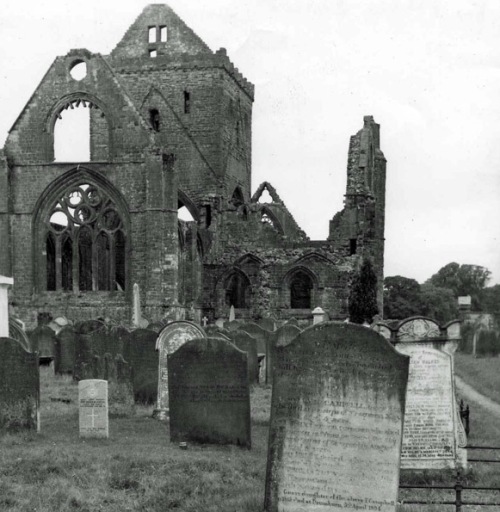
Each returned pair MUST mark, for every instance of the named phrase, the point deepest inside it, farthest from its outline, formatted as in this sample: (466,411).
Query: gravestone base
(160,414)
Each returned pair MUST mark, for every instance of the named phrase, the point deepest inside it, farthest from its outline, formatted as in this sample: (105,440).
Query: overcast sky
(428,71)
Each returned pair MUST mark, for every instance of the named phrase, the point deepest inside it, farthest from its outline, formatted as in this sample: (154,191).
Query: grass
(482,373)
(138,469)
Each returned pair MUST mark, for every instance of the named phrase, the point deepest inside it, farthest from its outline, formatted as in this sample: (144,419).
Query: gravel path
(469,393)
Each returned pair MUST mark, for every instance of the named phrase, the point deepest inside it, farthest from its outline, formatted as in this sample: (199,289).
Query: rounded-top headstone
(170,339)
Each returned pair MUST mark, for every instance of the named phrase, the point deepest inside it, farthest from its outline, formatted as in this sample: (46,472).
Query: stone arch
(268,217)
(184,200)
(88,100)
(237,197)
(299,288)
(97,230)
(234,289)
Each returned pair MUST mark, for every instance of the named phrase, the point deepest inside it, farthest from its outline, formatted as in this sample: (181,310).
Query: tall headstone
(118,373)
(19,387)
(170,339)
(336,422)
(43,340)
(65,350)
(137,319)
(433,436)
(5,284)
(143,357)
(209,393)
(93,408)
(232,315)
(247,344)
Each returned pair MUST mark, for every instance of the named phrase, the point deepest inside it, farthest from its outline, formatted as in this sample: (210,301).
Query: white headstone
(319,315)
(93,408)
(136,313)
(232,316)
(5,283)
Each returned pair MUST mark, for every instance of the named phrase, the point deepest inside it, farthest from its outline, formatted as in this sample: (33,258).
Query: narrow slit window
(151,34)
(154,119)
(353,246)
(163,34)
(187,102)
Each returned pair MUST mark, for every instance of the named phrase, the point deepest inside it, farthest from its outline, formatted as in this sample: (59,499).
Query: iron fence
(458,487)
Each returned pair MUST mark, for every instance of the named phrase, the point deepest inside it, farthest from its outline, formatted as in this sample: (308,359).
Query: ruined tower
(169,124)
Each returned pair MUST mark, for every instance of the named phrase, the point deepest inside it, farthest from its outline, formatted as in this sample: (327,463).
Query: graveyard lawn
(482,373)
(138,469)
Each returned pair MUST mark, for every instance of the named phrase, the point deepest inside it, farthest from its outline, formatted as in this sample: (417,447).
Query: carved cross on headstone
(93,415)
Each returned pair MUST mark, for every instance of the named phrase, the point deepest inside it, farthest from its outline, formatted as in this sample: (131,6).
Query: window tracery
(85,242)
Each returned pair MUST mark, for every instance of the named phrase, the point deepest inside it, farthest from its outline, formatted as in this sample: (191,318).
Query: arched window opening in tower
(85,242)
(184,214)
(72,133)
(237,289)
(301,286)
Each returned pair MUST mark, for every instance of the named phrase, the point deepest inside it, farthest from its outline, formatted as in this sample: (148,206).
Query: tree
(363,295)
(462,280)
(490,300)
(440,304)
(402,298)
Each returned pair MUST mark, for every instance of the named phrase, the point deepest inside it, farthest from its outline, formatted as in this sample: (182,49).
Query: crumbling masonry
(170,127)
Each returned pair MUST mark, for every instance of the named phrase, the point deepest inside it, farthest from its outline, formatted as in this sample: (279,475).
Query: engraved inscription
(429,427)
(336,423)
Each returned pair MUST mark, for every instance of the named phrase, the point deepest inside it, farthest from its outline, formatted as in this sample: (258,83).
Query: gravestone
(209,393)
(319,315)
(267,323)
(280,338)
(65,350)
(143,358)
(429,429)
(247,344)
(433,436)
(170,339)
(19,387)
(336,422)
(93,408)
(264,339)
(43,340)
(118,373)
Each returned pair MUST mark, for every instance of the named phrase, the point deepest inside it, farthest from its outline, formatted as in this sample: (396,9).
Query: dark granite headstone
(265,341)
(42,339)
(143,358)
(65,350)
(336,422)
(120,391)
(209,393)
(245,342)
(19,386)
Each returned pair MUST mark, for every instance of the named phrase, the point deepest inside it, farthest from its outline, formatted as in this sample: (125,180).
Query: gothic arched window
(237,290)
(85,242)
(301,286)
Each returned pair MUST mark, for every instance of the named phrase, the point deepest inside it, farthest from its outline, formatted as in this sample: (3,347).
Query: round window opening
(78,70)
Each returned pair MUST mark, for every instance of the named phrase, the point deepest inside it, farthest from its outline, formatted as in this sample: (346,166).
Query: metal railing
(458,487)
